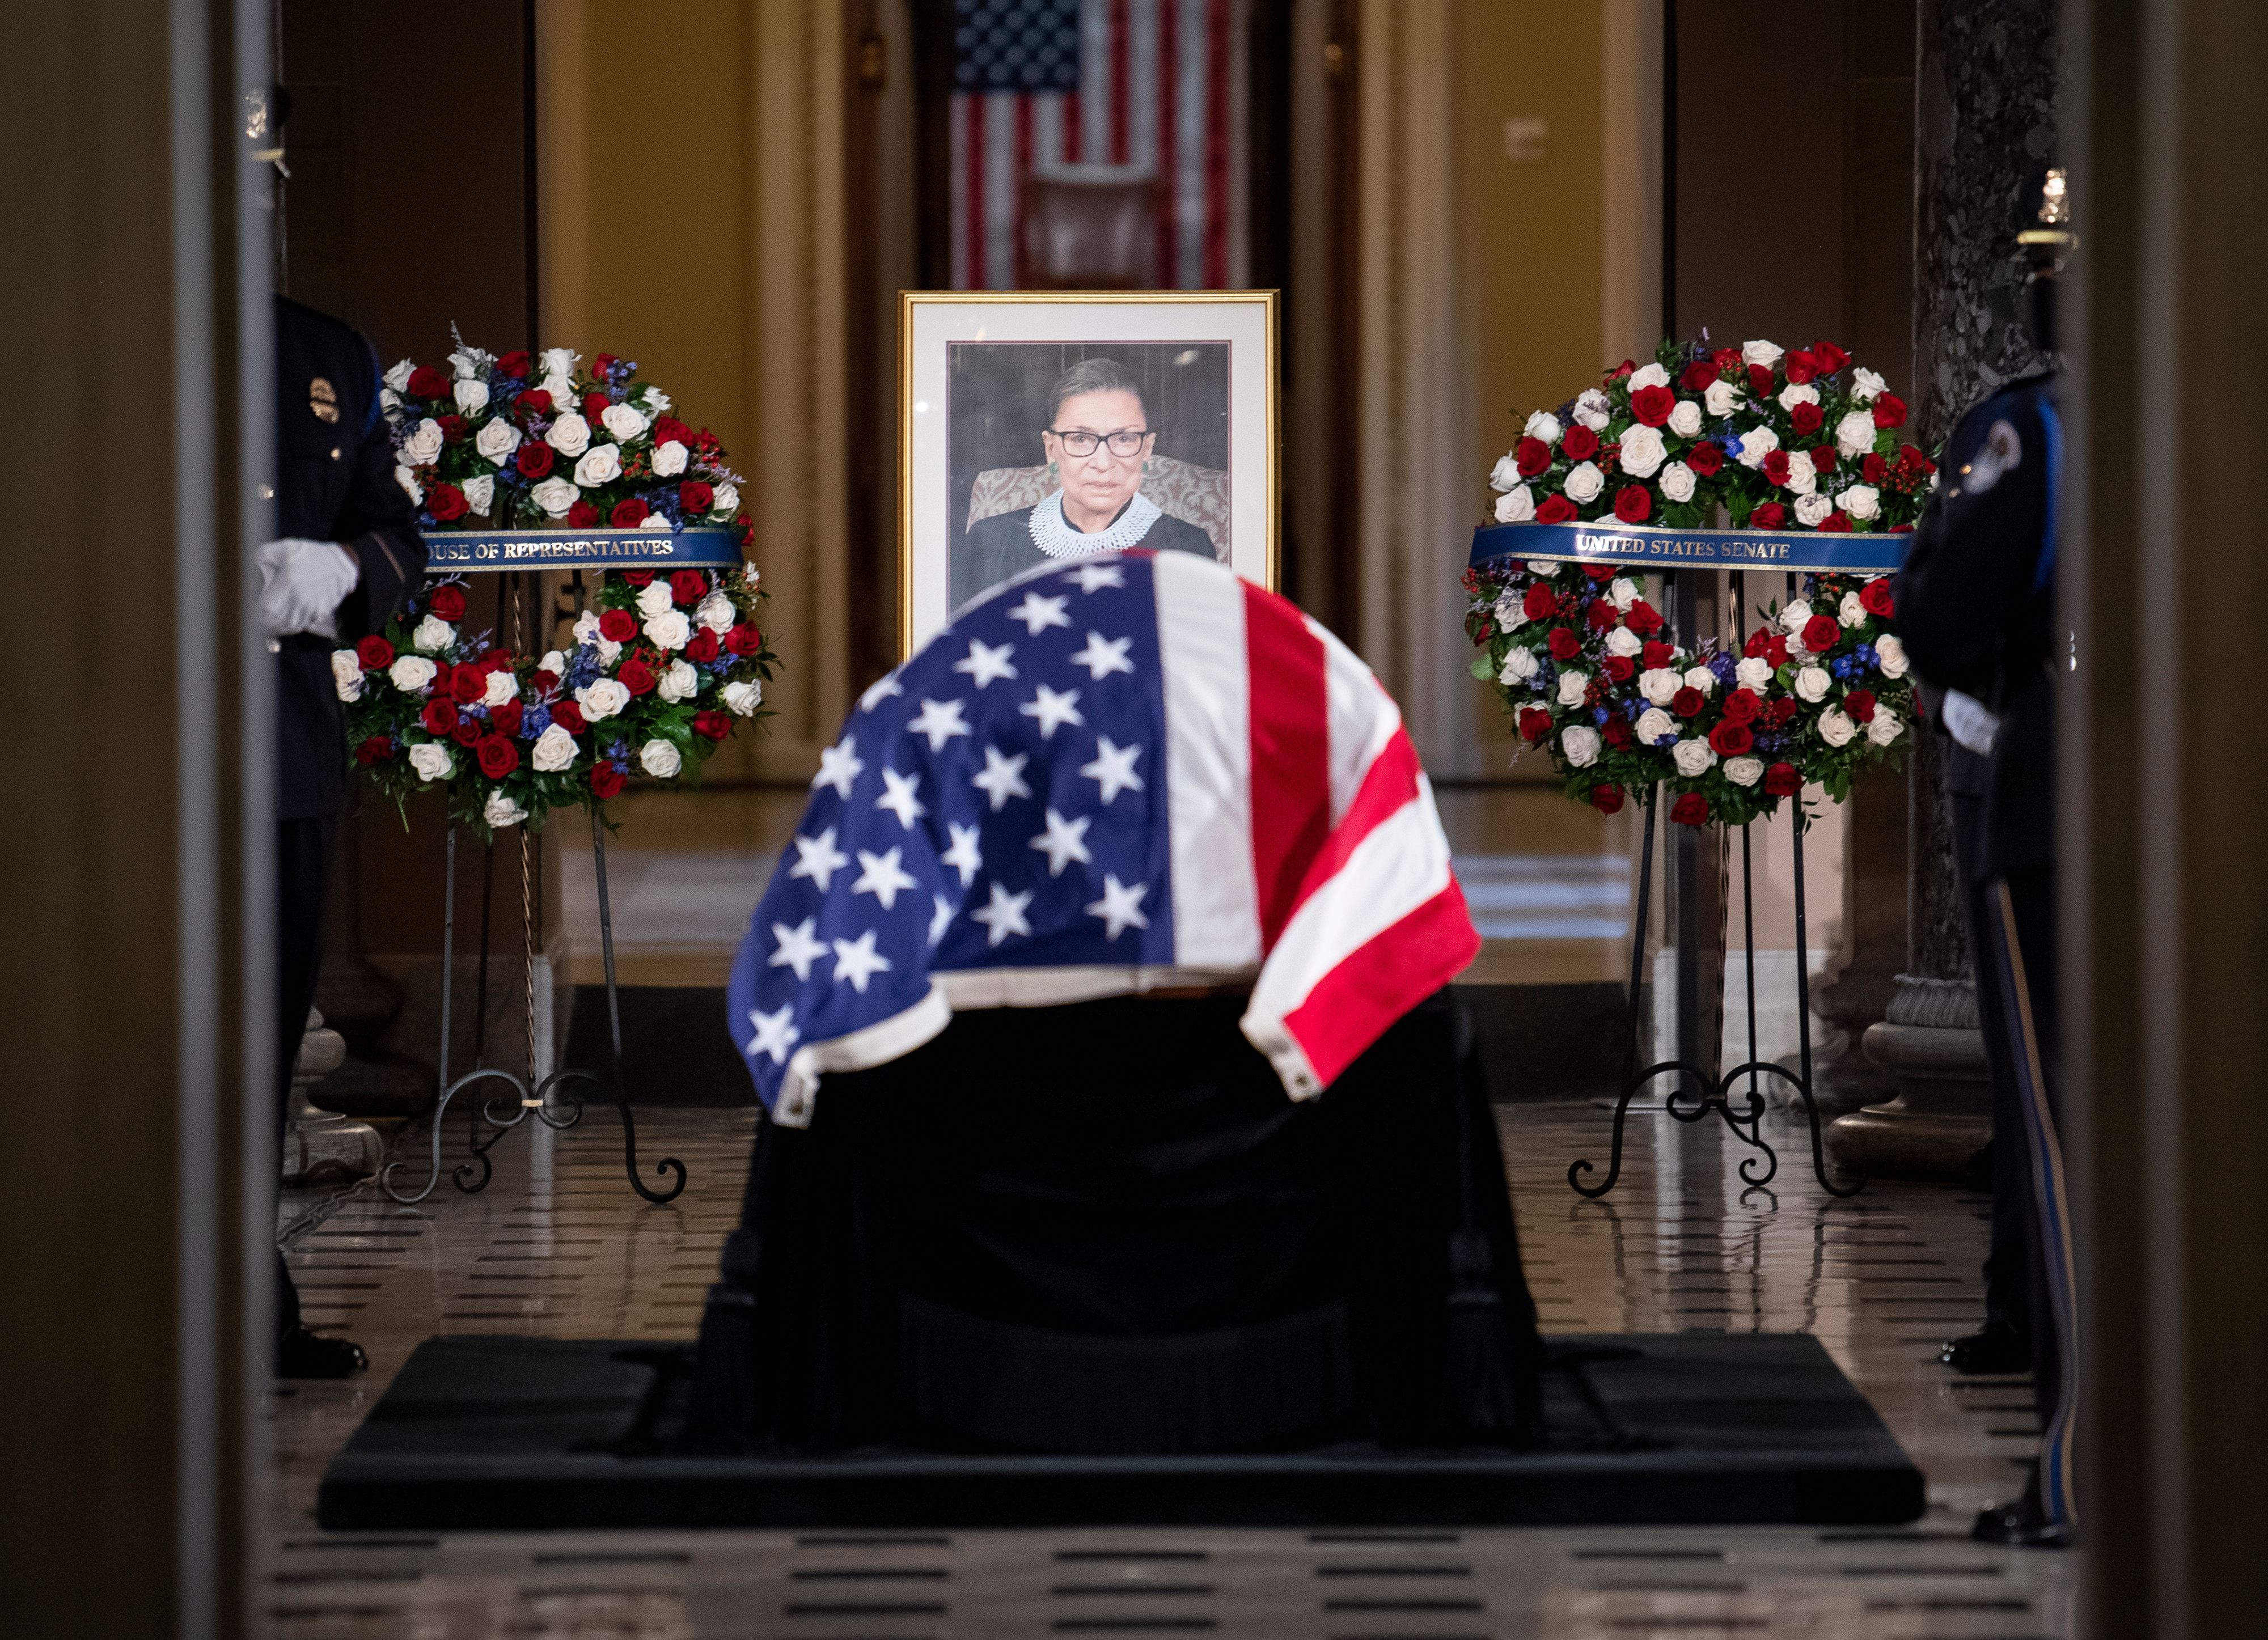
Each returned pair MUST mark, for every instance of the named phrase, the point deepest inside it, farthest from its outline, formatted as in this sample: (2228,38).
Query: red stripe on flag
(975,149)
(1290,726)
(1121,108)
(1169,74)
(1355,1003)
(1023,170)
(1388,786)
(1072,129)
(1218,62)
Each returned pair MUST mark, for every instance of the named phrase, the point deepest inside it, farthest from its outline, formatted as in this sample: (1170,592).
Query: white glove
(302,583)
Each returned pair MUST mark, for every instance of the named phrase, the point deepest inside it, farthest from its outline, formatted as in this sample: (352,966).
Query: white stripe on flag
(958,119)
(1363,717)
(1189,180)
(1201,648)
(1047,130)
(1142,85)
(1095,82)
(1000,190)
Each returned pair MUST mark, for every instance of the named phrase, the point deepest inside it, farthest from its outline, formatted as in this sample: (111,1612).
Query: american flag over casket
(1133,771)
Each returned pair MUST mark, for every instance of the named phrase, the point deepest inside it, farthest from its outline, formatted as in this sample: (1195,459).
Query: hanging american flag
(1138,770)
(1153,88)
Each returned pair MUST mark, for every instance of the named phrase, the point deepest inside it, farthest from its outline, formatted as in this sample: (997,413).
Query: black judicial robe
(1001,547)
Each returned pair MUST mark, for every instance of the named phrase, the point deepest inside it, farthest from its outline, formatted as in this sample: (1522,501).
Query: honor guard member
(347,552)
(1977,611)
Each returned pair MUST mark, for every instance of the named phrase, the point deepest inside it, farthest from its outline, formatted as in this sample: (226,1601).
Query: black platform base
(494,1434)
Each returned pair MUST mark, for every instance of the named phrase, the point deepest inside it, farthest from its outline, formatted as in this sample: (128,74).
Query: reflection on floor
(557,1246)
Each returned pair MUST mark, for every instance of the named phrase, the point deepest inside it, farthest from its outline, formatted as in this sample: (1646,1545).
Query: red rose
(1760,381)
(1890,411)
(606,781)
(445,503)
(1621,668)
(1873,469)
(701,646)
(639,578)
(1607,798)
(1823,458)
(569,716)
(745,640)
(582,516)
(1535,723)
(533,460)
(1743,705)
(1724,358)
(377,749)
(374,652)
(1757,639)
(514,365)
(668,428)
(1877,598)
(1776,652)
(448,602)
(688,586)
(468,731)
(618,626)
(505,719)
(637,677)
(1555,510)
(712,726)
(594,404)
(1541,604)
(452,427)
(1642,618)
(1698,375)
(1782,781)
(1691,809)
(1838,521)
(1775,467)
(534,402)
(1802,367)
(1831,358)
(1600,617)
(1656,654)
(1618,730)
(542,682)
(695,497)
(496,655)
(440,716)
(468,684)
(1807,419)
(1628,367)
(1860,705)
(628,513)
(1770,516)
(1730,739)
(425,382)
(1688,702)
(498,756)
(1600,572)
(1579,443)
(1633,503)
(1820,634)
(1909,456)
(1565,645)
(1653,405)
(1705,457)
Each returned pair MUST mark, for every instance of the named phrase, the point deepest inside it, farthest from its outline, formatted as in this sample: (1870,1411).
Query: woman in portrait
(1099,445)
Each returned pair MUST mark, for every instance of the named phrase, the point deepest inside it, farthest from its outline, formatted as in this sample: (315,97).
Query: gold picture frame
(934,495)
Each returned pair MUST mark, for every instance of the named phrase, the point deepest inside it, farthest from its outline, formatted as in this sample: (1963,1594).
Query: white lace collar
(1052,533)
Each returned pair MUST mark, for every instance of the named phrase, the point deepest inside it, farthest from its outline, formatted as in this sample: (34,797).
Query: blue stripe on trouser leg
(2051,1203)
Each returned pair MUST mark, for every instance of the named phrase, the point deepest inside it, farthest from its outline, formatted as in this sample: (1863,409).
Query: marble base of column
(320,1147)
(1942,1116)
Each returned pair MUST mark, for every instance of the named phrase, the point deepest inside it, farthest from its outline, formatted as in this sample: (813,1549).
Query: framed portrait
(1040,425)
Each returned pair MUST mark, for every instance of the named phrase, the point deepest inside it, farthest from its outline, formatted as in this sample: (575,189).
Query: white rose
(1580,746)
(1854,434)
(609,652)
(1764,353)
(496,440)
(602,699)
(407,480)
(433,635)
(501,687)
(1835,727)
(749,573)
(388,400)
(727,501)
(1692,757)
(1622,641)
(555,750)
(1653,725)
(411,674)
(560,361)
(1719,397)
(1520,664)
(471,396)
(1677,481)
(1516,505)
(669,458)
(601,464)
(501,812)
(1793,618)
(398,378)
(1543,426)
(1571,685)
(1643,452)
(1504,475)
(1506,610)
(423,446)
(1649,376)
(570,434)
(1862,502)
(346,674)
(1797,393)
(622,422)
(1884,727)
(1890,655)
(1755,445)
(561,389)
(1685,418)
(1621,592)
(656,400)
(1702,678)
(1812,684)
(553,662)
(1583,481)
(480,492)
(433,761)
(1659,684)
(1811,510)
(660,758)
(1866,384)
(1744,771)
(654,599)
(1753,673)
(1850,612)
(464,365)
(1803,476)
(716,612)
(554,495)
(1592,409)
(742,699)
(586,627)
(669,630)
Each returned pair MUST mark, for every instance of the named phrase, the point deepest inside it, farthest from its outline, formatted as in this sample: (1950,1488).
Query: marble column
(1984,90)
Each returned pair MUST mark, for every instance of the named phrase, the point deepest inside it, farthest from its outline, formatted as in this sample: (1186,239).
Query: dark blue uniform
(1977,612)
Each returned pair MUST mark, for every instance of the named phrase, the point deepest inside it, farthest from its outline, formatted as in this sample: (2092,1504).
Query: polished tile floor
(558,1245)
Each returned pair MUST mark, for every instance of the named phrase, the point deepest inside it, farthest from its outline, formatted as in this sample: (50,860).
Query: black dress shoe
(1999,1349)
(2020,1525)
(302,1354)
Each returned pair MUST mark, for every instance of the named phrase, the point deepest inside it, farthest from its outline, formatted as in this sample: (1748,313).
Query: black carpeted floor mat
(1670,1428)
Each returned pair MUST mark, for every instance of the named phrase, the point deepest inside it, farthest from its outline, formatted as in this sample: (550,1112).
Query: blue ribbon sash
(1646,546)
(699,547)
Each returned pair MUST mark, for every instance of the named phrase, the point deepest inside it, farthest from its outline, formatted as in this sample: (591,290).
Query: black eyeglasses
(1126,441)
